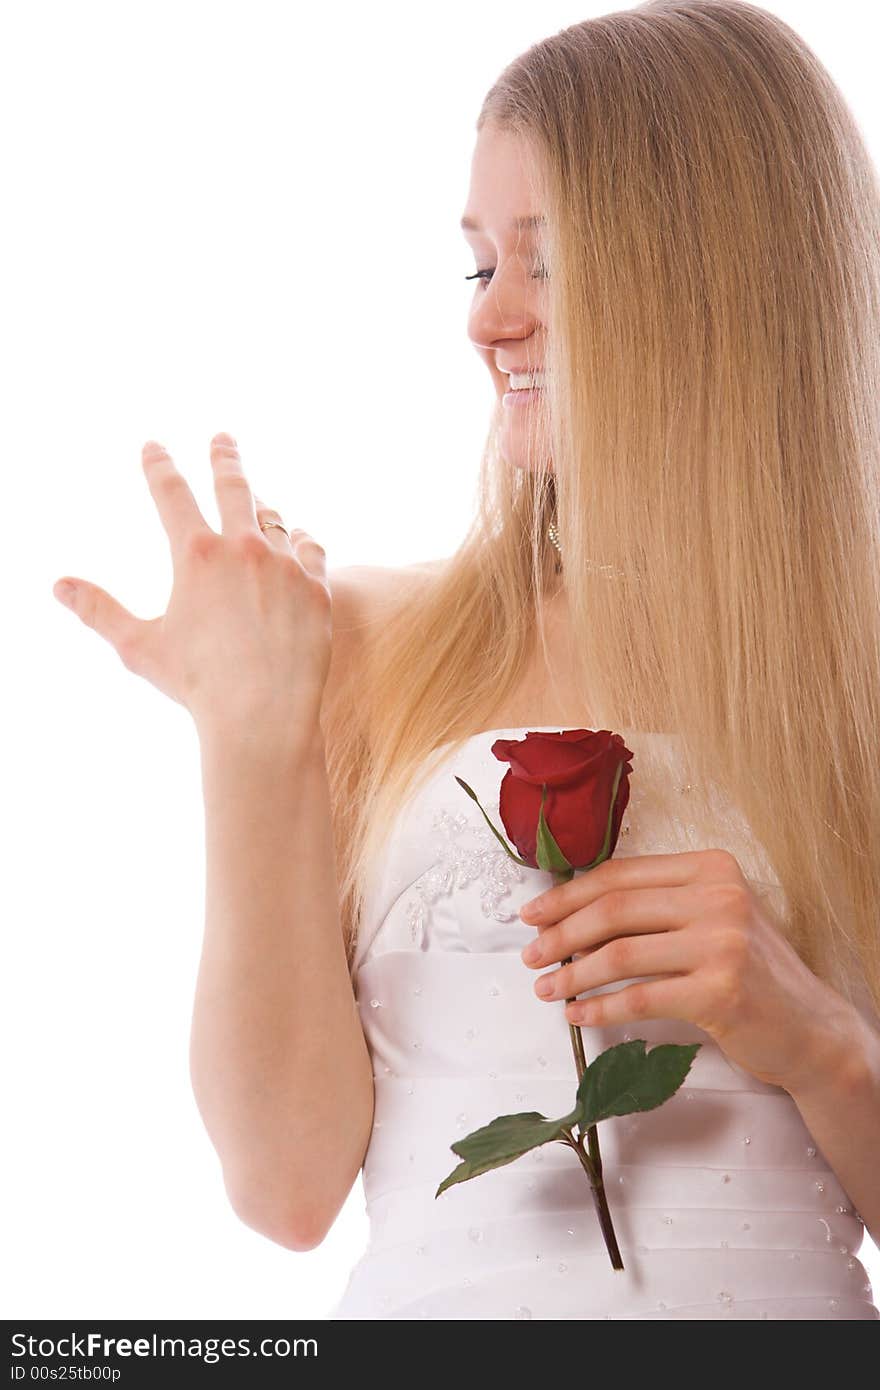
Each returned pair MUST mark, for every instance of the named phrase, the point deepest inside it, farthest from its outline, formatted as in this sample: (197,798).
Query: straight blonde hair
(713,359)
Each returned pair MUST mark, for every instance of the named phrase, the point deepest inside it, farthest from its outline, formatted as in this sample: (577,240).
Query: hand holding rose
(685,928)
(691,920)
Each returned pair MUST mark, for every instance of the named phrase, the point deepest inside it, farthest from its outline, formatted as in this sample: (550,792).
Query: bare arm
(249,644)
(279,1066)
(840,1105)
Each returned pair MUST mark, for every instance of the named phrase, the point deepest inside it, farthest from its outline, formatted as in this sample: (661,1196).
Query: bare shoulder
(357,590)
(359,593)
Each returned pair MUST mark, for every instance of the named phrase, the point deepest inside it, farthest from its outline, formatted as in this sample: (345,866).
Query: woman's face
(506,320)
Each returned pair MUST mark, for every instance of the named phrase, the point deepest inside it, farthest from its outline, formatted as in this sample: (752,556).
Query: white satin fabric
(723,1205)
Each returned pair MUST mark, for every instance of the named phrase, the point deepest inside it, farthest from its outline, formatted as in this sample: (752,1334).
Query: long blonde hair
(713,390)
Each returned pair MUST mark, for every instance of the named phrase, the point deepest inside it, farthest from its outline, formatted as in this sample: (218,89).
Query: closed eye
(541,273)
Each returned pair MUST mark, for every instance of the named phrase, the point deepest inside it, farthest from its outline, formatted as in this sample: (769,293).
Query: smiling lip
(515,398)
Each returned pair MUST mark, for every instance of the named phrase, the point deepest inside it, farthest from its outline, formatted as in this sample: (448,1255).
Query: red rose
(578,768)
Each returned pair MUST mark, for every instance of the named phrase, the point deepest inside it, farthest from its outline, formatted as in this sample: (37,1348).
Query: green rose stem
(591,1160)
(551,858)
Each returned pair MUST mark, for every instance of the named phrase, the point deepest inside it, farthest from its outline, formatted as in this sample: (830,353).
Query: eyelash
(479,274)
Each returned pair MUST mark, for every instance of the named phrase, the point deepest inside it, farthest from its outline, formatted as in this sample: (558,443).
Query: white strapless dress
(723,1205)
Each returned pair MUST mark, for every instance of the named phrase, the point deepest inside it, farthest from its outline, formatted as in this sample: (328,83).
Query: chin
(515,443)
(526,465)
(517,457)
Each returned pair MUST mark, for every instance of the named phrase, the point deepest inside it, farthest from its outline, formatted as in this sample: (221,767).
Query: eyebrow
(469,225)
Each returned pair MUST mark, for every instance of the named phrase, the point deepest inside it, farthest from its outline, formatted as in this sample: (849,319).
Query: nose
(505,308)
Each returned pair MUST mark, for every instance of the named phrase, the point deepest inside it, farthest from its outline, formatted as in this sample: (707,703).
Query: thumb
(100,611)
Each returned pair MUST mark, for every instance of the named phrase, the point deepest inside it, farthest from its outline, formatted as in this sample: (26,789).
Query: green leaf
(626,1078)
(547,852)
(497,833)
(503,1140)
(603,852)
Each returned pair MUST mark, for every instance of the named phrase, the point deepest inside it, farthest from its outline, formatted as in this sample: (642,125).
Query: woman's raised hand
(246,640)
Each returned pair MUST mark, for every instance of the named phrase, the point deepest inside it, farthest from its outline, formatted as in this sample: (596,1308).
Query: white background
(238,216)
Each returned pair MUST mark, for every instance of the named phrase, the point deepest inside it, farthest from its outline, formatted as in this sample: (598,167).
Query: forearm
(279,1065)
(840,1105)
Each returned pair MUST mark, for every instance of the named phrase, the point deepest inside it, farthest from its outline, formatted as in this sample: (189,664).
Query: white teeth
(527,380)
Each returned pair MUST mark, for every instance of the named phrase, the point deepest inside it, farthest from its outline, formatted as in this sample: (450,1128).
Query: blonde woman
(675,224)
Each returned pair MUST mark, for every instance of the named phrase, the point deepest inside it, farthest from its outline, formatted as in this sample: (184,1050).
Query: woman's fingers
(100,611)
(274,535)
(311,555)
(234,497)
(245,632)
(178,510)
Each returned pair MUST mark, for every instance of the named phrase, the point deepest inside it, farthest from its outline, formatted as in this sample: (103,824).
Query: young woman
(675,229)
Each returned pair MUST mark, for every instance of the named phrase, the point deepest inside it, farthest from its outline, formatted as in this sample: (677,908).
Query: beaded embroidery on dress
(723,1205)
